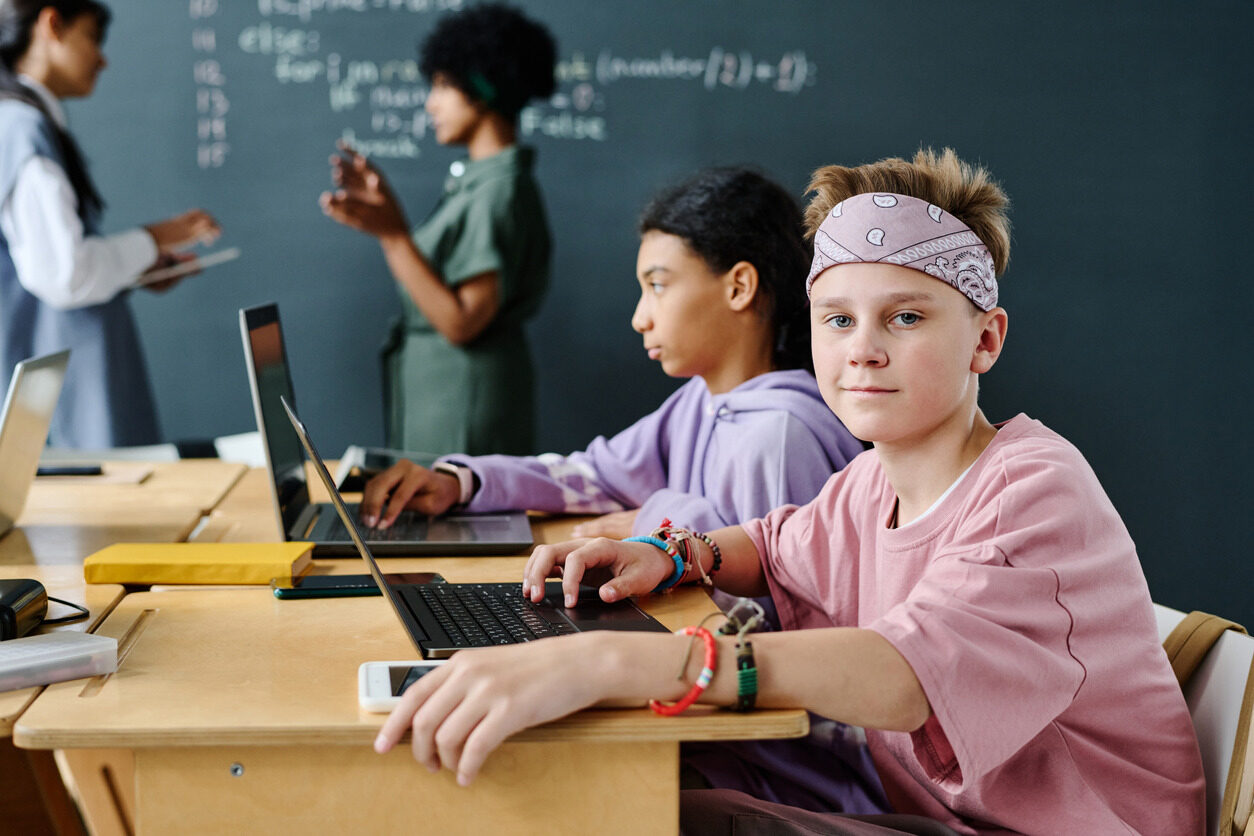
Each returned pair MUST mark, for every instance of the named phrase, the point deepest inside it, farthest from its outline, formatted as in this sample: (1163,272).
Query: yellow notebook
(202,563)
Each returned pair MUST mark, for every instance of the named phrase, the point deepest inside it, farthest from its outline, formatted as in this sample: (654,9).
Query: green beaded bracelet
(746,677)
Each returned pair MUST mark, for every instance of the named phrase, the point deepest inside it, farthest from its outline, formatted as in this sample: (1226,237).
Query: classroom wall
(1119,131)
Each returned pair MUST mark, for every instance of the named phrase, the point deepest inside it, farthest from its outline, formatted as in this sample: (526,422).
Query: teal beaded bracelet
(671,552)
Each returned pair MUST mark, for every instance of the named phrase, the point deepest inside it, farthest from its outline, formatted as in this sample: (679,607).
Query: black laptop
(442,618)
(413,533)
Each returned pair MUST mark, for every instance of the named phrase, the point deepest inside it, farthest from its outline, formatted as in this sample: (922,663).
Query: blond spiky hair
(967,192)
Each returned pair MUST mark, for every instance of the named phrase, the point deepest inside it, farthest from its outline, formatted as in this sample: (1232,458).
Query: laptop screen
(271,380)
(28,408)
(302,436)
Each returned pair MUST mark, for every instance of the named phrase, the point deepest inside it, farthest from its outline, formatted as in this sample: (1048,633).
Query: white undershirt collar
(939,499)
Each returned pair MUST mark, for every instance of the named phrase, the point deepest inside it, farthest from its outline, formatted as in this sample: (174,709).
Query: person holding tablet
(457,370)
(62,284)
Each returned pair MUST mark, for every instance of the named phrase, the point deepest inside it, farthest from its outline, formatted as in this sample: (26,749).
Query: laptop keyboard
(481,614)
(409,527)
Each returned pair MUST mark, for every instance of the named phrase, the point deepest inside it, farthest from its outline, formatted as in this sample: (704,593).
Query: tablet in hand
(183,268)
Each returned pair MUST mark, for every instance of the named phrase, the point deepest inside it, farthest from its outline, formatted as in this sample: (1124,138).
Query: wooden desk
(241,713)
(246,513)
(65,582)
(233,711)
(63,522)
(66,519)
(31,794)
(185,485)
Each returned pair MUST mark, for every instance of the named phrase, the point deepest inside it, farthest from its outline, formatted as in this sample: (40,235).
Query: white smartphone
(380,684)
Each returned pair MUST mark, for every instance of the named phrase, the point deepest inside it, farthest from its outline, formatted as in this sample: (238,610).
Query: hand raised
(362,198)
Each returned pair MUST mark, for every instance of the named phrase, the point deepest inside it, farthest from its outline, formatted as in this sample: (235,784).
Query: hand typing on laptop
(407,485)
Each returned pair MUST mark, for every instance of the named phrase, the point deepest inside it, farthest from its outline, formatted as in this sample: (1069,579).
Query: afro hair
(494,54)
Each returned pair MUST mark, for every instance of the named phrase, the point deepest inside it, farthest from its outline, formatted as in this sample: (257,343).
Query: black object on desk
(342,586)
(23,605)
(69,470)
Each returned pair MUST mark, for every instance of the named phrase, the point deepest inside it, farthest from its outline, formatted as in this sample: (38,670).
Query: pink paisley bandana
(903,230)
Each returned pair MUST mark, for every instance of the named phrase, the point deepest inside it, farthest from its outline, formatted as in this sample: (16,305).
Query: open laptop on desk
(299,519)
(28,408)
(442,618)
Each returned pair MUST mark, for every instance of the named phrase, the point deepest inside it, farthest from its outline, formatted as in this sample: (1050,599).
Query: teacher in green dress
(458,375)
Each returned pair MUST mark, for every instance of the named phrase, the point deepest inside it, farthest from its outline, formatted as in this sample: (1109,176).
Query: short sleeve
(806,560)
(479,242)
(987,631)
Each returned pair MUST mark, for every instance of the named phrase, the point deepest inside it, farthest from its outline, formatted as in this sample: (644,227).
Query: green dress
(478,398)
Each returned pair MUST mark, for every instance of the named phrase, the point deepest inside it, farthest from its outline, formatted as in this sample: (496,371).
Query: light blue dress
(107,399)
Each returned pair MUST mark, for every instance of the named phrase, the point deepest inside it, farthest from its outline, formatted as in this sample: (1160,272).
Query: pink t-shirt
(1020,604)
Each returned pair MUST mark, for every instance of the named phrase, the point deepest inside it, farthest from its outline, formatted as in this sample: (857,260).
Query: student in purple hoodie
(720,265)
(719,303)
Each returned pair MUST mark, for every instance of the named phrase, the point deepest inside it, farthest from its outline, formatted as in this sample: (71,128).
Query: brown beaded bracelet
(718,553)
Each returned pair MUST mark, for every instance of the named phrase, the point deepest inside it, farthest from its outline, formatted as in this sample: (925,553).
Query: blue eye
(907,318)
(656,287)
(839,321)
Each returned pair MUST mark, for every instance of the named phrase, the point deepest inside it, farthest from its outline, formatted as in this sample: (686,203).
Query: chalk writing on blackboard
(379,100)
(212,104)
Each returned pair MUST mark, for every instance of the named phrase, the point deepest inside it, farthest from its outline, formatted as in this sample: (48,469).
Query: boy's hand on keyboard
(634,568)
(406,485)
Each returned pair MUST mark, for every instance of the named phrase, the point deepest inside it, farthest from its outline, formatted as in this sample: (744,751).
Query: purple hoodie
(705,461)
(709,461)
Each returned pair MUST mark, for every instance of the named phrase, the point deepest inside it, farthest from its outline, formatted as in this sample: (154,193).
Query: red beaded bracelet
(703,680)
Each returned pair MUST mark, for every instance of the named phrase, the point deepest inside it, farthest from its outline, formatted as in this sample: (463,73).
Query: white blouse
(55,260)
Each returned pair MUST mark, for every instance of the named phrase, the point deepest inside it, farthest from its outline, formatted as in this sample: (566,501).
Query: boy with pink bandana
(965,591)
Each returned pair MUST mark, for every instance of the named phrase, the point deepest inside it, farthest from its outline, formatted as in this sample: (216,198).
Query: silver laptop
(442,618)
(28,408)
(412,534)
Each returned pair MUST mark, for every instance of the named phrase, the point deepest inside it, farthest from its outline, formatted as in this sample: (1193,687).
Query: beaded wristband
(680,537)
(671,552)
(746,667)
(703,680)
(714,549)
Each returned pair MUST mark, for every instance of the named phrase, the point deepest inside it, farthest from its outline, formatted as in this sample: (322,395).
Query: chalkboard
(1120,130)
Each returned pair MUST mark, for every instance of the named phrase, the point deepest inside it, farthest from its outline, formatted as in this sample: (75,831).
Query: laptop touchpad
(591,613)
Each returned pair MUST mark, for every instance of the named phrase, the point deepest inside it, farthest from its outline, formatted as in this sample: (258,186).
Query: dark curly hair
(17,23)
(494,54)
(728,215)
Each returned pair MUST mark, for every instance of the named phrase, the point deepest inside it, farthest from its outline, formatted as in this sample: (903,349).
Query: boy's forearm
(741,571)
(848,674)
